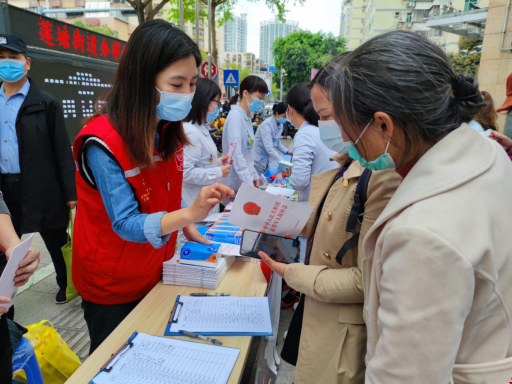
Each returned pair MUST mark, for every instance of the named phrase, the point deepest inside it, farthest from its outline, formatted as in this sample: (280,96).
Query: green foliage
(189,14)
(302,51)
(104,29)
(467,65)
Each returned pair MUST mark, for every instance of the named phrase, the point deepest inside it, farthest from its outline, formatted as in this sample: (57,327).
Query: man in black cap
(36,164)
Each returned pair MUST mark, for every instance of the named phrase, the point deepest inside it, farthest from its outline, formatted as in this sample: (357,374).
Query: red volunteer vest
(107,269)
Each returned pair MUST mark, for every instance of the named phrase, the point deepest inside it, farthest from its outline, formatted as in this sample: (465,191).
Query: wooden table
(152,314)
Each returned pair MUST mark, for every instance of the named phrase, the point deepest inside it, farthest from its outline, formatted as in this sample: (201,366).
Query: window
(409,16)
(468,4)
(397,14)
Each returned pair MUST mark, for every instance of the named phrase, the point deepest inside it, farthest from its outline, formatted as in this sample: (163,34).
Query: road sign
(204,70)
(231,77)
(272,69)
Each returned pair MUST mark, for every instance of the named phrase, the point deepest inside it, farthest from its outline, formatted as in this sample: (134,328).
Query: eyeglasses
(217,103)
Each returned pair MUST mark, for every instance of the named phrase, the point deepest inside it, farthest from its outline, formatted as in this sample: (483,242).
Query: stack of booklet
(177,273)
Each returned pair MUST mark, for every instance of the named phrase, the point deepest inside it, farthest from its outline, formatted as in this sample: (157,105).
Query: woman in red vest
(129,177)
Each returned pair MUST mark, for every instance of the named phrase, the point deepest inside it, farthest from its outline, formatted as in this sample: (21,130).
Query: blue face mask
(11,70)
(211,116)
(384,161)
(282,120)
(174,106)
(256,104)
(330,134)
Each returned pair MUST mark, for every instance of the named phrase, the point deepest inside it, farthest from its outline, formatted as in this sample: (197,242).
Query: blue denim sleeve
(120,203)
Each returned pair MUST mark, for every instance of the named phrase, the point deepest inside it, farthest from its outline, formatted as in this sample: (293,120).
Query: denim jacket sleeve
(120,203)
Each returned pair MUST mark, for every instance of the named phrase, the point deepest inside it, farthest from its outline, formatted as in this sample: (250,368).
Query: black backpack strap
(356,214)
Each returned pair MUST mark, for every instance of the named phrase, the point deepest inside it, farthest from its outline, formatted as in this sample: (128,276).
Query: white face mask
(330,134)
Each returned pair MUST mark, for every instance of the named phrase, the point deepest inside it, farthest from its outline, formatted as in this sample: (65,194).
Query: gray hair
(412,80)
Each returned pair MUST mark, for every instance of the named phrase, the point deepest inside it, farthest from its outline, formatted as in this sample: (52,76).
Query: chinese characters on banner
(77,43)
(275,217)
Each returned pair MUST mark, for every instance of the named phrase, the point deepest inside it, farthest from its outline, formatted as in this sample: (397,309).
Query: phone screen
(278,248)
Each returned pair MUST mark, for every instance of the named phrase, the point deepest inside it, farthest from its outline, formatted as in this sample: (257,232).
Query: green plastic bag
(67,252)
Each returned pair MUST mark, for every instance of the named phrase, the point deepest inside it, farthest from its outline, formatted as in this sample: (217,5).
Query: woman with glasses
(238,130)
(201,166)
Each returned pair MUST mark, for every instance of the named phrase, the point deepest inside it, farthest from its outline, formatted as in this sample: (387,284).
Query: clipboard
(168,357)
(179,311)
(107,367)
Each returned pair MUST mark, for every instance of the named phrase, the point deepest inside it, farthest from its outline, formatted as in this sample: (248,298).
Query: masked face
(12,70)
(211,116)
(174,106)
(256,104)
(384,161)
(330,134)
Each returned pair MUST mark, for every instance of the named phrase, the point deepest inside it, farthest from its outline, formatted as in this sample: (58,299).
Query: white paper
(7,287)
(160,360)
(213,217)
(219,315)
(276,191)
(262,212)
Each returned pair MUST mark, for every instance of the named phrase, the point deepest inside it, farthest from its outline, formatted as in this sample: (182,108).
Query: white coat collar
(241,111)
(457,158)
(203,128)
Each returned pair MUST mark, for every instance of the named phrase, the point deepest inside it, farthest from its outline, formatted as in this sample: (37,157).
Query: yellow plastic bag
(67,253)
(56,360)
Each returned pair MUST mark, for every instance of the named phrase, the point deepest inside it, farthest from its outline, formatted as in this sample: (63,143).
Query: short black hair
(250,84)
(206,91)
(279,108)
(299,98)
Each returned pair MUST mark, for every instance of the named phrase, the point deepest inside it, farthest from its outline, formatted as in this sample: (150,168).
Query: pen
(196,336)
(210,294)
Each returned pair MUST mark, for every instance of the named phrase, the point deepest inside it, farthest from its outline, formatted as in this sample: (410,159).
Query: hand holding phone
(280,249)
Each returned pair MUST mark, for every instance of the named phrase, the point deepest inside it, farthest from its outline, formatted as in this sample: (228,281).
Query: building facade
(270,30)
(364,19)
(235,34)
(243,60)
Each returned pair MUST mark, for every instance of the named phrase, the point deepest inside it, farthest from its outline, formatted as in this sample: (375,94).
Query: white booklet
(7,287)
(260,211)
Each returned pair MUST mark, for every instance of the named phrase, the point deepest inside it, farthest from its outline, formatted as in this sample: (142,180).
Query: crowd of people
(406,264)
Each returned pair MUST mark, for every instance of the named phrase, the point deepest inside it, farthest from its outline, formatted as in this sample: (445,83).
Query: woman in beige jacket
(333,339)
(438,267)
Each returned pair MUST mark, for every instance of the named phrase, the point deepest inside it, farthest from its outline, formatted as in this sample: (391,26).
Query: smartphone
(278,248)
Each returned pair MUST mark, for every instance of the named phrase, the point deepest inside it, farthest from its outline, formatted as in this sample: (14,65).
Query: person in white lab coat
(267,141)
(238,129)
(201,166)
(310,155)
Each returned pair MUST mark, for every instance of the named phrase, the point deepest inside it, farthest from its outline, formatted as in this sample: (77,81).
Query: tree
(467,65)
(302,51)
(222,12)
(104,29)
(145,9)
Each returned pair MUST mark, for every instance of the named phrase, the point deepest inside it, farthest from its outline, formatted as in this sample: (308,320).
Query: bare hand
(502,140)
(290,152)
(192,234)
(208,198)
(288,172)
(4,300)
(72,204)
(27,266)
(256,183)
(276,266)
(225,170)
(224,159)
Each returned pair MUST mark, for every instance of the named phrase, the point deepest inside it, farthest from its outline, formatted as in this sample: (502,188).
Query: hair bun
(466,90)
